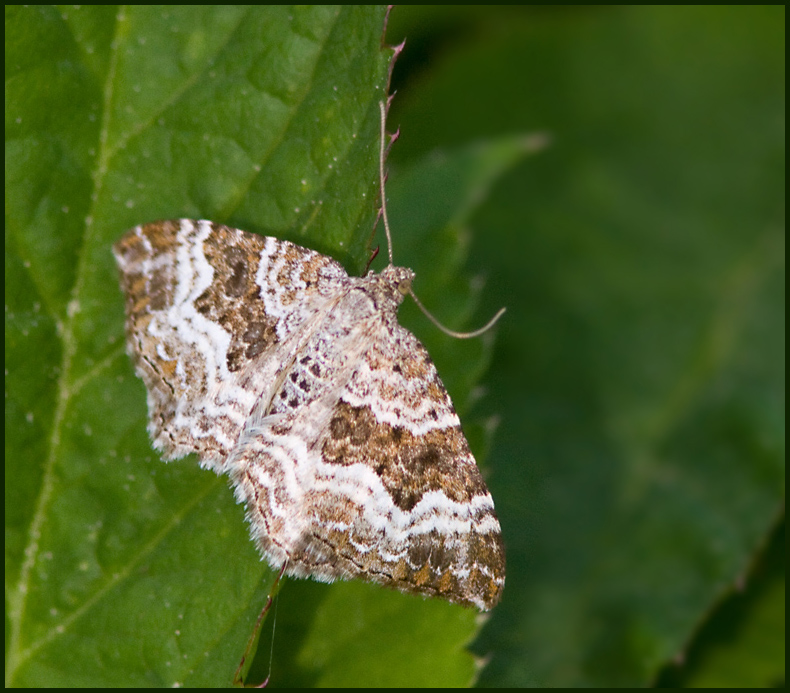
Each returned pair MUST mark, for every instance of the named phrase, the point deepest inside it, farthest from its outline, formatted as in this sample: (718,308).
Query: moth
(275,367)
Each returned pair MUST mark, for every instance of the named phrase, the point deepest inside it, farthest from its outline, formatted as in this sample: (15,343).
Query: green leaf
(639,372)
(121,570)
(743,643)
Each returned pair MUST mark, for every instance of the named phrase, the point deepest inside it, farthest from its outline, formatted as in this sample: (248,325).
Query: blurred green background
(638,376)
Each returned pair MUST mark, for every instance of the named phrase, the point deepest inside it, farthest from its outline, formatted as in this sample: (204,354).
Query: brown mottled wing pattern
(213,315)
(358,467)
(273,365)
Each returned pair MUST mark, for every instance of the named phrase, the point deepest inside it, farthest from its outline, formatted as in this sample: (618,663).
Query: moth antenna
(446,330)
(382,155)
(453,333)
